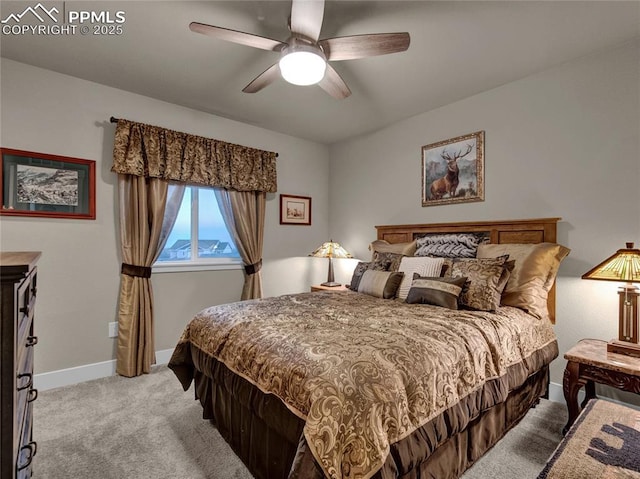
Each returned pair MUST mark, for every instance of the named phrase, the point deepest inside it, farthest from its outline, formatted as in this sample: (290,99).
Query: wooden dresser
(19,279)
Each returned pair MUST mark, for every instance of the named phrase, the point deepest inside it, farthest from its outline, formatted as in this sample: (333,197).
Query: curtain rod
(113,119)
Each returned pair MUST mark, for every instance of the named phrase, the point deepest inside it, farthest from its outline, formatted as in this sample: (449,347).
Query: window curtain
(146,158)
(147,214)
(243,214)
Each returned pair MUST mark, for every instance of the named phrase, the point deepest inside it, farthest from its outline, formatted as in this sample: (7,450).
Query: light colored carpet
(147,427)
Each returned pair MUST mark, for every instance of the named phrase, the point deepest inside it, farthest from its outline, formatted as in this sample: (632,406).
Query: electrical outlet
(113,329)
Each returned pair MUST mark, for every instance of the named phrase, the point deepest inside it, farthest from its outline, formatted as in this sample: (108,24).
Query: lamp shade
(302,64)
(330,249)
(624,265)
(302,68)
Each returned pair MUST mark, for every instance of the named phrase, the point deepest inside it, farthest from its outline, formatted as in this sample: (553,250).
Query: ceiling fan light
(302,67)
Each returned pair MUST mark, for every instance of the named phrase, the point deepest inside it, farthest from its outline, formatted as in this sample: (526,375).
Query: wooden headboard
(539,230)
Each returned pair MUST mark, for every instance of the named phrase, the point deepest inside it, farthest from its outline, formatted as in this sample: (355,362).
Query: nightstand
(588,362)
(319,287)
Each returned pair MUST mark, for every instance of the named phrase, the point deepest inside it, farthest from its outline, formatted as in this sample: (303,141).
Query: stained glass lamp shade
(330,250)
(624,265)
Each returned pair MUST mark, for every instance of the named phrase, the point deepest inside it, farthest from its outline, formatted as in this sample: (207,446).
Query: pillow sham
(361,267)
(381,284)
(486,279)
(382,246)
(536,268)
(423,266)
(391,260)
(453,245)
(438,291)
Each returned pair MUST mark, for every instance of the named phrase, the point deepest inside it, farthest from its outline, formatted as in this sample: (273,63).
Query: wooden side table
(319,287)
(588,362)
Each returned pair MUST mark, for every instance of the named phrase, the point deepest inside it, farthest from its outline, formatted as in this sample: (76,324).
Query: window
(199,238)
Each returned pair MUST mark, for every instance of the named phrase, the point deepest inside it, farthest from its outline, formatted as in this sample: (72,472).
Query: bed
(350,385)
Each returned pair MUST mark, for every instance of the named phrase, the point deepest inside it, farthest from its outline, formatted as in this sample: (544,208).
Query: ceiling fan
(303,57)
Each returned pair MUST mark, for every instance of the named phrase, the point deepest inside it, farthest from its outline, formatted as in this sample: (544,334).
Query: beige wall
(47,112)
(565,142)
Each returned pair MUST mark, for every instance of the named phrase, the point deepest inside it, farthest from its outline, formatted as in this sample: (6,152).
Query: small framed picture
(50,186)
(295,210)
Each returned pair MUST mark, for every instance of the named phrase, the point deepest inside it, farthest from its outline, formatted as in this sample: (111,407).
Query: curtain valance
(154,152)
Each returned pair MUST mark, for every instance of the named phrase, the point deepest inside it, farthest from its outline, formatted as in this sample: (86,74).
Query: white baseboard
(79,374)
(556,394)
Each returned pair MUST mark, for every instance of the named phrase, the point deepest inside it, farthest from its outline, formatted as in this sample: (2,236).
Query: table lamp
(624,265)
(330,250)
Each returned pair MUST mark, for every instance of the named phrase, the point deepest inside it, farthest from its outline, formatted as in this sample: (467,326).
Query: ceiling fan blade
(333,84)
(361,46)
(306,18)
(235,36)
(265,78)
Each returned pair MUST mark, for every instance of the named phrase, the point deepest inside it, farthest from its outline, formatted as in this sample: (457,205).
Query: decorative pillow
(536,267)
(423,266)
(447,264)
(507,268)
(486,279)
(361,267)
(382,246)
(454,245)
(436,290)
(391,260)
(381,284)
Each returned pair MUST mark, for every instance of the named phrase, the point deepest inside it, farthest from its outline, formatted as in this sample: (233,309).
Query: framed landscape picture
(38,184)
(453,170)
(295,210)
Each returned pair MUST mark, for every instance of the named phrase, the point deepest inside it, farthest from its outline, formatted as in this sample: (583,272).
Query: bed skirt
(268,438)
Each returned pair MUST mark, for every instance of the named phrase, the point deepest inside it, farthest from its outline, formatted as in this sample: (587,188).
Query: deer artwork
(449,182)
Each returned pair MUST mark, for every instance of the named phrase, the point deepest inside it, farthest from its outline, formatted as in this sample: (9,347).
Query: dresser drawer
(24,394)
(25,342)
(28,448)
(26,301)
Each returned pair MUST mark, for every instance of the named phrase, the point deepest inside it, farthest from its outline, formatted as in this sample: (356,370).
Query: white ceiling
(458,48)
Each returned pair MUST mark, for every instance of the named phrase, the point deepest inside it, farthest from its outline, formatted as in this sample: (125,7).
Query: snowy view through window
(199,227)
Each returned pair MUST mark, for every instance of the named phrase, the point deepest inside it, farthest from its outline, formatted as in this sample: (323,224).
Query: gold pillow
(382,246)
(486,279)
(535,270)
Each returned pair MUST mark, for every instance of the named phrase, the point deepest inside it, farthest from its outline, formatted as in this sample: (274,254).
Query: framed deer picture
(453,170)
